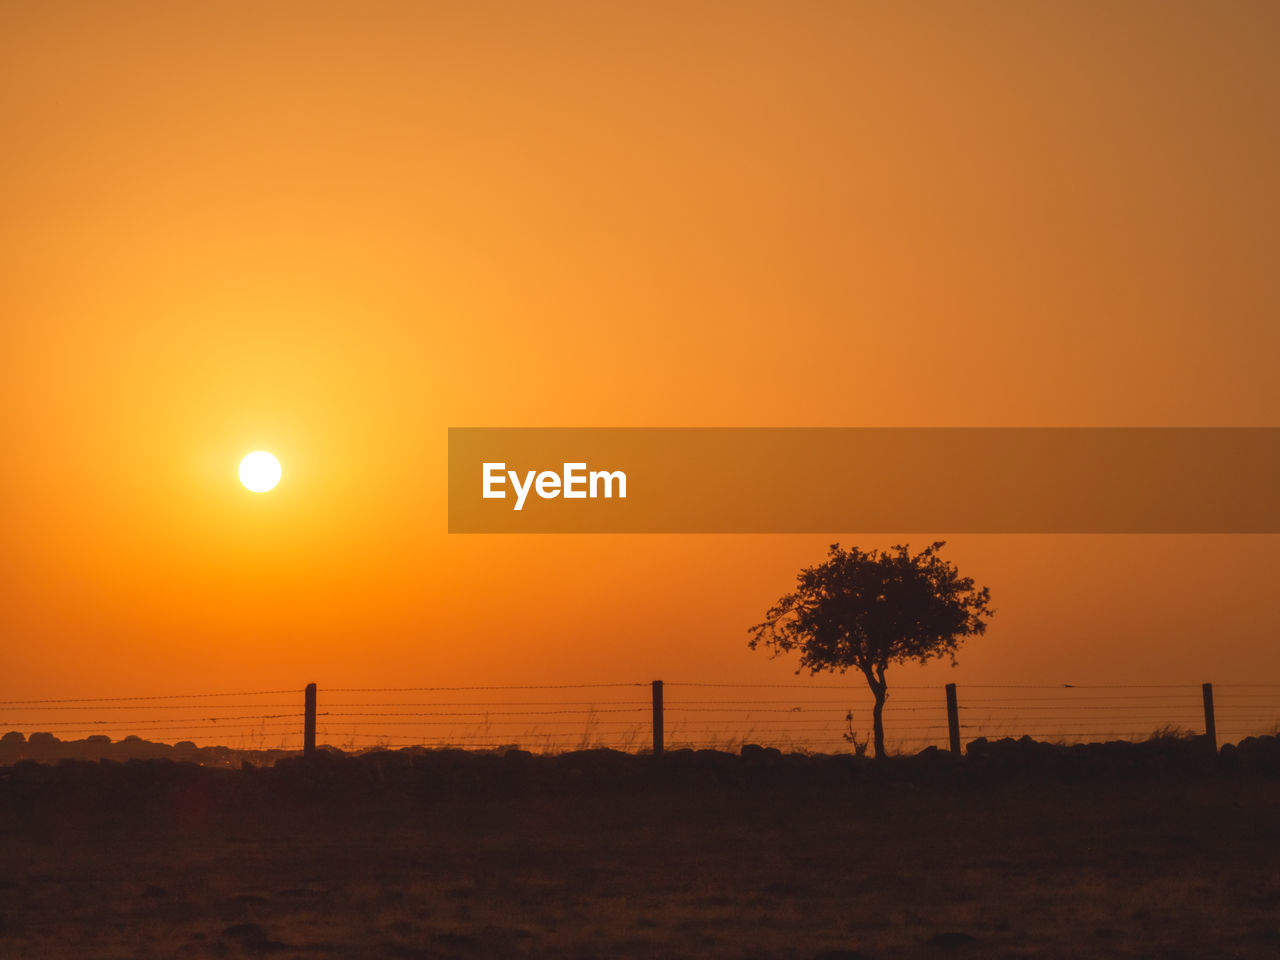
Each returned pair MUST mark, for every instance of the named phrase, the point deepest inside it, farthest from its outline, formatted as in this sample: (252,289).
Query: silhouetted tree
(865,611)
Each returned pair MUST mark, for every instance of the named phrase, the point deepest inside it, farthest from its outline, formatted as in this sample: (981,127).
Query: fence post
(309,722)
(657,718)
(953,719)
(1210,728)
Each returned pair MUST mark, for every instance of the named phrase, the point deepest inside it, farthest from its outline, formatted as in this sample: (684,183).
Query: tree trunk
(877,720)
(880,690)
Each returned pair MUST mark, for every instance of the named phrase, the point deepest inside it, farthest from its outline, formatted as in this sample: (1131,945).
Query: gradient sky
(334,230)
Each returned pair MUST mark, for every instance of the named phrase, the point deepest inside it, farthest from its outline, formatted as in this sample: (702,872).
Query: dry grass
(1159,868)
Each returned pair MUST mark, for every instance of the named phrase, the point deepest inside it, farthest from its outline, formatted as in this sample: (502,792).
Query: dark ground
(148,860)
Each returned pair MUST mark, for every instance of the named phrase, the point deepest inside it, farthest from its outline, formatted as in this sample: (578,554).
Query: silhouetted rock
(754,753)
(12,745)
(683,758)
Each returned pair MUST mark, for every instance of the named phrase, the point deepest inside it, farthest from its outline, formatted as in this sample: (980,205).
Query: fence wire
(810,716)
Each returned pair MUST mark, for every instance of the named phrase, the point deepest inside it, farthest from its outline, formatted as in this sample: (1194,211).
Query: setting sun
(260,471)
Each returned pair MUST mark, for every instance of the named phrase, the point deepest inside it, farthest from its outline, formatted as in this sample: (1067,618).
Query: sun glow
(260,471)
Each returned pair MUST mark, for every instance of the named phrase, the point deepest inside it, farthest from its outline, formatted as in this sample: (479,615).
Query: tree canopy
(866,610)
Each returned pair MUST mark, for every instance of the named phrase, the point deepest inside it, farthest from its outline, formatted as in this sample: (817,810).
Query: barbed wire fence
(813,716)
(212,719)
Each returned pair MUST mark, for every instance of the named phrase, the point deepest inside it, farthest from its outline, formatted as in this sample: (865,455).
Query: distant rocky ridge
(1024,755)
(47,748)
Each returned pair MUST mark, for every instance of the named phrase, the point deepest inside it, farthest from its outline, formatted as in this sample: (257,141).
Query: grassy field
(1159,867)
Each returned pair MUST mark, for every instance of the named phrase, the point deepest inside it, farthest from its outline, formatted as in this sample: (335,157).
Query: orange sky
(334,230)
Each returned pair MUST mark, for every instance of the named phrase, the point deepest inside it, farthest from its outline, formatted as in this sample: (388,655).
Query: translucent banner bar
(864,480)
